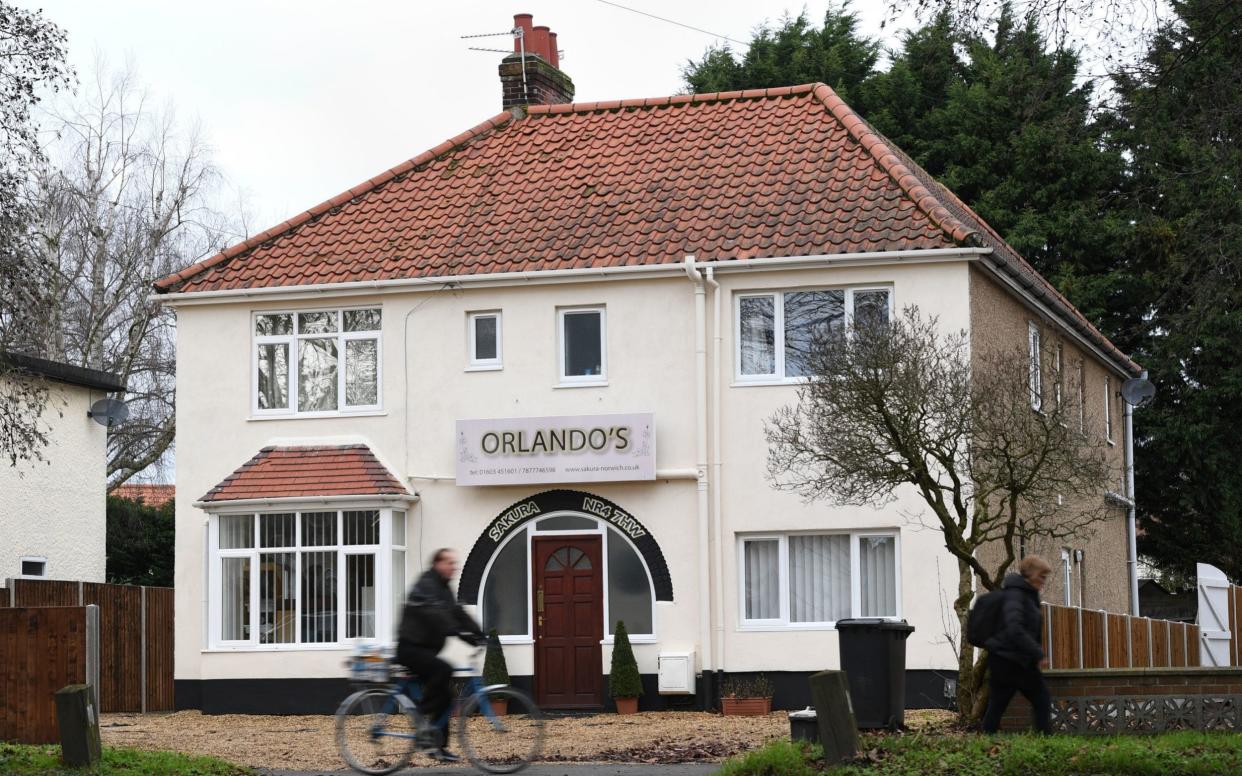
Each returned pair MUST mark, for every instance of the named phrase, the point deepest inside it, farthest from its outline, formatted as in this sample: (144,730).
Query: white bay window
(317,361)
(776,331)
(296,578)
(814,579)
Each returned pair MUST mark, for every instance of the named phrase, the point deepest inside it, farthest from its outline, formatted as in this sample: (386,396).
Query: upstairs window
(777,331)
(583,350)
(317,361)
(1035,367)
(484,335)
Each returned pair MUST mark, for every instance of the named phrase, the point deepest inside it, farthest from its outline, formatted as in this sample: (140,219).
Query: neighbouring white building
(552,342)
(53,517)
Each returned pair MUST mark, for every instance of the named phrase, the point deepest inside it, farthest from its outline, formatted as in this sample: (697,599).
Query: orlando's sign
(570,448)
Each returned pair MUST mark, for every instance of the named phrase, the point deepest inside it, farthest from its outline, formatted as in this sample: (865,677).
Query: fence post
(92,651)
(1048,627)
(1185,645)
(143,649)
(12,592)
(1104,614)
(1151,645)
(1080,638)
(1129,642)
(81,599)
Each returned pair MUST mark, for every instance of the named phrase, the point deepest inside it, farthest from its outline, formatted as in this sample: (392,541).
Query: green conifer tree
(624,681)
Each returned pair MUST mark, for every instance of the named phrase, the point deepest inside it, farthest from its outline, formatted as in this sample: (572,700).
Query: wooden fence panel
(44,649)
(120,644)
(1193,644)
(1160,643)
(40,592)
(159,666)
(1093,639)
(1140,642)
(1118,641)
(1177,656)
(1064,637)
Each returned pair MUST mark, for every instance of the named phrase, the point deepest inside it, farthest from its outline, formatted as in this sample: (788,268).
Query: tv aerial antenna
(517,34)
(1138,391)
(109,412)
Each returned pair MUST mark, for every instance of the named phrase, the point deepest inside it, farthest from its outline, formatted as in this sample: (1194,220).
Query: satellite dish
(1138,391)
(109,412)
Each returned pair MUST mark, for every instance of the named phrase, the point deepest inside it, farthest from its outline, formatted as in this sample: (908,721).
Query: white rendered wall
(56,508)
(650,364)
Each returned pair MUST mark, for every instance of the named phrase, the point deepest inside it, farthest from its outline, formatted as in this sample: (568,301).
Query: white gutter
(285,500)
(700,448)
(1132,517)
(579,275)
(717,479)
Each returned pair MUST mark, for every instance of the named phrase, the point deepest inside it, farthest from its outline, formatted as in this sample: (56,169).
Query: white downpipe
(717,512)
(700,460)
(1131,519)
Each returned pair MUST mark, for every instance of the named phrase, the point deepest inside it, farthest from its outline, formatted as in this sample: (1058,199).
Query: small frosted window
(567,523)
(398,528)
(236,532)
(629,590)
(504,592)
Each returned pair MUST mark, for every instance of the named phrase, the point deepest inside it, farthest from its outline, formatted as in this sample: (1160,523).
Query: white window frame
(1035,370)
(778,377)
(601,529)
(387,613)
(31,559)
(578,381)
(1058,367)
(477,364)
(1108,409)
(292,341)
(783,622)
(1082,397)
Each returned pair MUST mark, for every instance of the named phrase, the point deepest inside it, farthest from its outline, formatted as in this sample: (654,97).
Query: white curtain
(762,579)
(877,559)
(819,578)
(235,599)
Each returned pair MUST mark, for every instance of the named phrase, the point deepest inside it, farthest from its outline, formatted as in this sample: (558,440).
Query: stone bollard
(838,733)
(79,725)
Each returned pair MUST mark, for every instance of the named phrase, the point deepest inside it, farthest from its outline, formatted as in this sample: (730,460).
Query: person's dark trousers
(435,675)
(1006,678)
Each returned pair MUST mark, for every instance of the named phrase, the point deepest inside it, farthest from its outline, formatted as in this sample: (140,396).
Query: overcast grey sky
(303,100)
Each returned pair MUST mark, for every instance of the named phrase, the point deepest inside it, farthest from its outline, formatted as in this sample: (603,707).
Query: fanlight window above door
(568,558)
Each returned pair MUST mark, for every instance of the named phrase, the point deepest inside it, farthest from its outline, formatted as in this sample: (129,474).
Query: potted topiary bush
(744,696)
(624,682)
(495,670)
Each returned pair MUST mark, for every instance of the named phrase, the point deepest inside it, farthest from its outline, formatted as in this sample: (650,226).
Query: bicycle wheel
(500,744)
(376,734)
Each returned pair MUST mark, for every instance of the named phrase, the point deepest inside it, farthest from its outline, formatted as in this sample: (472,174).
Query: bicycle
(379,727)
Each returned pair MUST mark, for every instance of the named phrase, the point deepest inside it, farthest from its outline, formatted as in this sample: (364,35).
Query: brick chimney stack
(543,83)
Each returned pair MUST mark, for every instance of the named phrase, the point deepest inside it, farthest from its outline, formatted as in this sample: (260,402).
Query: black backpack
(985,618)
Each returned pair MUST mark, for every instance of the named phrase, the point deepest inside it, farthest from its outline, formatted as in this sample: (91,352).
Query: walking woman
(1014,655)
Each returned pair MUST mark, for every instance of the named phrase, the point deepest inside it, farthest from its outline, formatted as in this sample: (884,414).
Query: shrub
(495,670)
(782,756)
(757,686)
(623,679)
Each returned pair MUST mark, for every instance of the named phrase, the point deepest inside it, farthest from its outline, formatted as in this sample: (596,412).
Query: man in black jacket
(431,615)
(1014,655)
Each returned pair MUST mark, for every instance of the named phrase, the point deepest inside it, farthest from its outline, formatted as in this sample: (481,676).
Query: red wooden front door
(569,621)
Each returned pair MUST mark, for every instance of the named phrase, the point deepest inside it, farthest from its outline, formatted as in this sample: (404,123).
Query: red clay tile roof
(151,495)
(762,173)
(286,472)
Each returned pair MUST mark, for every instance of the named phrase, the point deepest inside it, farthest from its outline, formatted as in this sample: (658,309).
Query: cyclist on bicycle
(431,615)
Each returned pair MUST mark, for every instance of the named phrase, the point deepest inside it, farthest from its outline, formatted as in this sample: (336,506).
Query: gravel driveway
(306,743)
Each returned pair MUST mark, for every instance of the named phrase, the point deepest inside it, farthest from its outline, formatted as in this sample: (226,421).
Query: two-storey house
(551,342)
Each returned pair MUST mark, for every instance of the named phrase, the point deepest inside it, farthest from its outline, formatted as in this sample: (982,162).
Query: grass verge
(23,760)
(1189,753)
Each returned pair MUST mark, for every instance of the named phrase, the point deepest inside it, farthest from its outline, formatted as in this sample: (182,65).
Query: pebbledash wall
(427,387)
(52,511)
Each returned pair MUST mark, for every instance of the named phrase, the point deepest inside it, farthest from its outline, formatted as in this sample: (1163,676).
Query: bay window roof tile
(310,471)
